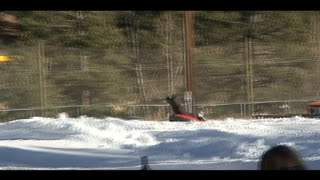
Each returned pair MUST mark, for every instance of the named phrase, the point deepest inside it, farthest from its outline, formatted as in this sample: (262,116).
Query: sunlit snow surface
(116,144)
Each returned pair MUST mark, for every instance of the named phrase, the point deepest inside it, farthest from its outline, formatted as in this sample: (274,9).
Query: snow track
(111,143)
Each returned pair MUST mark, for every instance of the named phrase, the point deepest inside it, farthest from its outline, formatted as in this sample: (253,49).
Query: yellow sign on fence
(5,59)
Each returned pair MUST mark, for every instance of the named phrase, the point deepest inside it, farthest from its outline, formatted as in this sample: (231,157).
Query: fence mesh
(123,63)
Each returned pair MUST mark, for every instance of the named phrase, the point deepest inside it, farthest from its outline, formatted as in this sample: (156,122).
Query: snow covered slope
(111,143)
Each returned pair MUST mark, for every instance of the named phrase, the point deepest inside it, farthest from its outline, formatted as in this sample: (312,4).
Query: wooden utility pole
(189,60)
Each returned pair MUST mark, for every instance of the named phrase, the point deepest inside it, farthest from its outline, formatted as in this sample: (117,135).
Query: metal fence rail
(131,111)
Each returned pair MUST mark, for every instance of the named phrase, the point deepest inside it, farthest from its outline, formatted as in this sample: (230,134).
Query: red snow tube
(183,118)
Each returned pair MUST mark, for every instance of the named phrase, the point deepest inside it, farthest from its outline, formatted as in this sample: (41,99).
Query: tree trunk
(86,94)
(138,63)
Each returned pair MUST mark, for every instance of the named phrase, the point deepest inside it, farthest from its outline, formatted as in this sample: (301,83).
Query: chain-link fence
(123,63)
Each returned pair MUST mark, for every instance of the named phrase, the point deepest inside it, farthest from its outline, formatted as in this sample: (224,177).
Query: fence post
(241,111)
(244,110)
(42,78)
(188,101)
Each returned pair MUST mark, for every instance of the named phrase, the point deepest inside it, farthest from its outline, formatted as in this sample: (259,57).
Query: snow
(113,143)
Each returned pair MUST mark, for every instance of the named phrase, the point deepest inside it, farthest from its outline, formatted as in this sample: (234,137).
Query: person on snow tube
(179,113)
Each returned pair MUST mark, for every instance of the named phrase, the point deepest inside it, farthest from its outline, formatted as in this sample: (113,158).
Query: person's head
(281,157)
